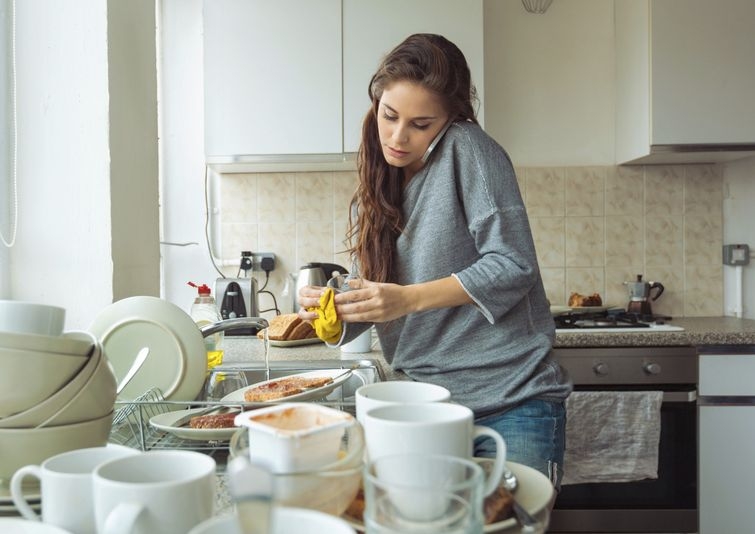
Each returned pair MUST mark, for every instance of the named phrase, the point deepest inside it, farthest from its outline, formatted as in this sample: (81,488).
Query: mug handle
(122,518)
(493,480)
(17,493)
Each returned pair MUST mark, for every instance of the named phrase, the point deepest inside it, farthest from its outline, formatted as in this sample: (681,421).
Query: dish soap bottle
(204,311)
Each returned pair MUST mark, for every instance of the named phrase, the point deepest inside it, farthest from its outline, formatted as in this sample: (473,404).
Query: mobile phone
(437,139)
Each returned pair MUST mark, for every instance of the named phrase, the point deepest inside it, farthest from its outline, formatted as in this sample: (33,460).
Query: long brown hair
(436,64)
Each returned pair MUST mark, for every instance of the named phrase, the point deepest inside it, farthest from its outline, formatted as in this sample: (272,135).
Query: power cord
(263,290)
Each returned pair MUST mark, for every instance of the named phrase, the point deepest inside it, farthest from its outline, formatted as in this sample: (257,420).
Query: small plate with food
(299,387)
(198,424)
(289,330)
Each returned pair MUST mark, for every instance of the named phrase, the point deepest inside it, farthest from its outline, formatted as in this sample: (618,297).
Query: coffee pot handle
(659,287)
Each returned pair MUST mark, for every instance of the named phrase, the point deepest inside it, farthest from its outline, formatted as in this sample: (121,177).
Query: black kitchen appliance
(237,297)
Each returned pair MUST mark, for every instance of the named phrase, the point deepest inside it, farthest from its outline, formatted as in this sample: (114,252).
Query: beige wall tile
(703,190)
(664,190)
(664,241)
(548,234)
(277,198)
(594,228)
(703,292)
(624,240)
(545,192)
(703,239)
(585,191)
(585,241)
(625,191)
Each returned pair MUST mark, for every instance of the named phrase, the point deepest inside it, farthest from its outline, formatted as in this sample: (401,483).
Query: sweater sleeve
(506,269)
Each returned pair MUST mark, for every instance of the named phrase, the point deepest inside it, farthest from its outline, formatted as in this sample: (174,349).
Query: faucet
(231,324)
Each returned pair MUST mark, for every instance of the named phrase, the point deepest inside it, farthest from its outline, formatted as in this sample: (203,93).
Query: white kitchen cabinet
(371,29)
(272,77)
(726,435)
(685,77)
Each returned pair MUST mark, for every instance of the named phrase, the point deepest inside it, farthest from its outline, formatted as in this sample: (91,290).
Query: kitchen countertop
(698,331)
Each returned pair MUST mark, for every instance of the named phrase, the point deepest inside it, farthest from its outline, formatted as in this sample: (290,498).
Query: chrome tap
(231,324)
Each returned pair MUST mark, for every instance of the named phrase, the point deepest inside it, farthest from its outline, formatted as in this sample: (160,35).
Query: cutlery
(529,523)
(138,362)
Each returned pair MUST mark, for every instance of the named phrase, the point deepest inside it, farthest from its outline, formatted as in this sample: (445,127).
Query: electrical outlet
(736,254)
(259,257)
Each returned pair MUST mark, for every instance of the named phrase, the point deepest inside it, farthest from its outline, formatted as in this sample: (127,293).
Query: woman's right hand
(309,297)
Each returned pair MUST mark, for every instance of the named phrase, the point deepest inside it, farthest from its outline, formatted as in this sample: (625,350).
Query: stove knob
(652,368)
(600,368)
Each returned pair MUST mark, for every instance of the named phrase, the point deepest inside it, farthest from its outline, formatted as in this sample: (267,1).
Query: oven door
(665,504)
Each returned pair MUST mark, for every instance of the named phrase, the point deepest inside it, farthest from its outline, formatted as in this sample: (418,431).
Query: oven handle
(680,396)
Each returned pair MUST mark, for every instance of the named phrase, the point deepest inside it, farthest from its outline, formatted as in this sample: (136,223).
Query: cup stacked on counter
(57,391)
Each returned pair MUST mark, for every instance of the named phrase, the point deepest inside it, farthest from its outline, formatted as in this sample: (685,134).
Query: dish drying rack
(131,425)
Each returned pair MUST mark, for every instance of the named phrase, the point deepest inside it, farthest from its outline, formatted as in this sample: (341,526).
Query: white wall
(549,82)
(739,228)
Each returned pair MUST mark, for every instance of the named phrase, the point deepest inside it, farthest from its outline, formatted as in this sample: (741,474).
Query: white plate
(165,422)
(31,493)
(589,309)
(558,310)
(177,360)
(77,343)
(534,493)
(295,342)
(339,376)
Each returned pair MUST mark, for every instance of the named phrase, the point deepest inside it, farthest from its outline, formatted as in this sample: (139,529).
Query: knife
(140,357)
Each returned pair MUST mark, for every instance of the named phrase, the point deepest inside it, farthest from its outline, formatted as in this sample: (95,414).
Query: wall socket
(736,254)
(259,257)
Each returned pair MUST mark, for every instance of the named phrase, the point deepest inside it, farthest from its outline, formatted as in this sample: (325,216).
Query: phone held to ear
(435,142)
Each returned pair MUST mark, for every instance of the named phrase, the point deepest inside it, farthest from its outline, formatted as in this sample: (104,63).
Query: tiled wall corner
(594,228)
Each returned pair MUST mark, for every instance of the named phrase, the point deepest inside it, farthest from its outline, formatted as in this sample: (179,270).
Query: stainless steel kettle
(314,274)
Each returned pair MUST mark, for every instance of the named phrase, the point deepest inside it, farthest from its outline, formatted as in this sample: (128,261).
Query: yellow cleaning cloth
(327,325)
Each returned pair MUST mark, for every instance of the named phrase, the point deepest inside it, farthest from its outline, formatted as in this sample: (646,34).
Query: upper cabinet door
(272,77)
(372,28)
(685,77)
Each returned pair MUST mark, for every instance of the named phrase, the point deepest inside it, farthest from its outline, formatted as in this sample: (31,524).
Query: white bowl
(285,520)
(29,377)
(41,412)
(22,446)
(94,398)
(30,318)
(75,343)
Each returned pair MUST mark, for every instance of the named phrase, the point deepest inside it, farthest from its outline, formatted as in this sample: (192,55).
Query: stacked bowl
(57,390)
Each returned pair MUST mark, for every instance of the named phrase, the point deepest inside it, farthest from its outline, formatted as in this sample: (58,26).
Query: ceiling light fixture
(536,6)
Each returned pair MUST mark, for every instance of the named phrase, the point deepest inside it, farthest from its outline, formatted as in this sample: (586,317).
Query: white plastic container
(293,436)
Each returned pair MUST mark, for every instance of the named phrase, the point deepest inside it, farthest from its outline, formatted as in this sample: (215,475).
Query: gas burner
(617,318)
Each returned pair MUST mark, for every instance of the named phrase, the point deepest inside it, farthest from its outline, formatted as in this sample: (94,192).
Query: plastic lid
(204,289)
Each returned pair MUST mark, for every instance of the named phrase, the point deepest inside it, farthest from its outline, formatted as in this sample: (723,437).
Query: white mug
(165,491)
(430,428)
(360,344)
(66,487)
(391,392)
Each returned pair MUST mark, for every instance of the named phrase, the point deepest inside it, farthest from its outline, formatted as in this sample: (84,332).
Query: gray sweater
(465,217)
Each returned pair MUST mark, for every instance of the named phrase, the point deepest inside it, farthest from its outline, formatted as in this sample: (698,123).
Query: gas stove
(612,320)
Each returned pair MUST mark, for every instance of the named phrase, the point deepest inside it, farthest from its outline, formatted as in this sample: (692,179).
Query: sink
(364,371)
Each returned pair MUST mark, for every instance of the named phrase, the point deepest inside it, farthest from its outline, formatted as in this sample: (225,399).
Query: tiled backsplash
(594,228)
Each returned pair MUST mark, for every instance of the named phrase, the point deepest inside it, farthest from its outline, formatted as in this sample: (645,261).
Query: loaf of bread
(577,300)
(288,327)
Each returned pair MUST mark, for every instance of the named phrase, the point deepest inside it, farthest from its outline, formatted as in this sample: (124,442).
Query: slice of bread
(303,330)
(281,326)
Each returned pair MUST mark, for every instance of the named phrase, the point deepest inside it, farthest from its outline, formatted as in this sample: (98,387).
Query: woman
(449,275)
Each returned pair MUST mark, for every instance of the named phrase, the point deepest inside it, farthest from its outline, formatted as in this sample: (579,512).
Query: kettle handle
(659,287)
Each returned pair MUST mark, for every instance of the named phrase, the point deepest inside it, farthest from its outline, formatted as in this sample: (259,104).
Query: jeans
(535,435)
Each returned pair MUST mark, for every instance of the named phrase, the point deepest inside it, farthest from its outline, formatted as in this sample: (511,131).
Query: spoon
(529,523)
(140,358)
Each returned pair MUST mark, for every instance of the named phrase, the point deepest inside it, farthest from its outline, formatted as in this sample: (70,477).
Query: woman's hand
(372,302)
(309,297)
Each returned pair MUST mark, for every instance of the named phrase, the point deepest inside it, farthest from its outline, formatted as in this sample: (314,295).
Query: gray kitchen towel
(612,436)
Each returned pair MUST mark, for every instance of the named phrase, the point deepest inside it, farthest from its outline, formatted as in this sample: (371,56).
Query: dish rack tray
(131,426)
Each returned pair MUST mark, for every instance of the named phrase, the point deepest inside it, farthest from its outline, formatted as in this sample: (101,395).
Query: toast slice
(303,330)
(281,326)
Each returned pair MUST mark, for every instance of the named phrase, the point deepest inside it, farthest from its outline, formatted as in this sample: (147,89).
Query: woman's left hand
(372,302)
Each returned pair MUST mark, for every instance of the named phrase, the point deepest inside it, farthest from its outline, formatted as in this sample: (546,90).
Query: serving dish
(338,376)
(166,422)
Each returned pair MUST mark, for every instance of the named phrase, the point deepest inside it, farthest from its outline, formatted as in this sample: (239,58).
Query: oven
(667,503)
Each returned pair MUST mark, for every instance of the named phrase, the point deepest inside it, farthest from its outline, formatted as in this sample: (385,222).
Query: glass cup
(222,382)
(438,494)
